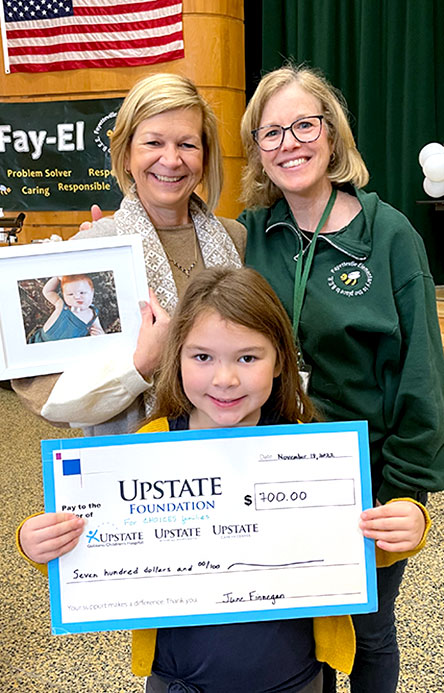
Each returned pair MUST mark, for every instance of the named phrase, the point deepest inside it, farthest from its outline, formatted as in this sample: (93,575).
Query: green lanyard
(301,277)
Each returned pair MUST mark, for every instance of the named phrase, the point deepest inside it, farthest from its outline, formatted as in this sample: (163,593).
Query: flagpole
(4,41)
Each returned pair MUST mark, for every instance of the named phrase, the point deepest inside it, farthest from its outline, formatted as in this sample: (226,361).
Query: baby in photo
(74,314)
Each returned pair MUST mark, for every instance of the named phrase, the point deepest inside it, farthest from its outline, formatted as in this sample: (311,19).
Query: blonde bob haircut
(244,297)
(157,94)
(346,164)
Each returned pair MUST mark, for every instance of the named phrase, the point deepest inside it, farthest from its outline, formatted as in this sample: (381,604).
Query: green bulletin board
(55,155)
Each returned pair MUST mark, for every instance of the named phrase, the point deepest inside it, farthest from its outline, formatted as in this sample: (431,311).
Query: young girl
(73,314)
(230,361)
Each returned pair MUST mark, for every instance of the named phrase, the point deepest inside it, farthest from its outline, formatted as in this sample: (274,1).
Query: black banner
(55,155)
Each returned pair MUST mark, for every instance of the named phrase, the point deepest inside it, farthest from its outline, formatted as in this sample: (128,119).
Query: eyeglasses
(306,129)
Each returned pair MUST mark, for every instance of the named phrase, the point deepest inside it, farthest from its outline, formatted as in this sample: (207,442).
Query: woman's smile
(165,159)
(297,168)
(166,179)
(293,163)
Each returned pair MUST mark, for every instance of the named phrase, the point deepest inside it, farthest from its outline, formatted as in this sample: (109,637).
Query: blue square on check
(71,467)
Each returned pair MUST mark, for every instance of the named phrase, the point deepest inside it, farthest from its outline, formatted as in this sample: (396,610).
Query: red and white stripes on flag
(47,35)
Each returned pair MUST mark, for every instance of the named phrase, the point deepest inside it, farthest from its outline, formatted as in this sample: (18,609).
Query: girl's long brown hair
(244,297)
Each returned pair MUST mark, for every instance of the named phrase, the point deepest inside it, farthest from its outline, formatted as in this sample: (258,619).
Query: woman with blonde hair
(353,276)
(165,144)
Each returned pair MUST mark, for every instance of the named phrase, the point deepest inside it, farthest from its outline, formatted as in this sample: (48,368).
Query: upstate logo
(350,279)
(105,536)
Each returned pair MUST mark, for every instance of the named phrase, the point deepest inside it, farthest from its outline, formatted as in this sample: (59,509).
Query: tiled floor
(34,661)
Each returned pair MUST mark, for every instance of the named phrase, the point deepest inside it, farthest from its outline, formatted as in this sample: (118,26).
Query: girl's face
(227,372)
(296,168)
(78,294)
(166,159)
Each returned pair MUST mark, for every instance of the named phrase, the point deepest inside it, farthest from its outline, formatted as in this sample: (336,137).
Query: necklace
(186,270)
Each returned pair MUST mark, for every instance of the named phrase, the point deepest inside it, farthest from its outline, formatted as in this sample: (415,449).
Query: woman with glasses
(352,274)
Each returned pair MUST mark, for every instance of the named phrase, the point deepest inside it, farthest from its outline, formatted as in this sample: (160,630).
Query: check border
(54,445)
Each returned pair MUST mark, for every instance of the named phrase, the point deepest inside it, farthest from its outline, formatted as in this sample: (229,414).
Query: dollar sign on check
(247,500)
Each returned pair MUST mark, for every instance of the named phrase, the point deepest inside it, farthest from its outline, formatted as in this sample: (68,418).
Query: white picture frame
(119,258)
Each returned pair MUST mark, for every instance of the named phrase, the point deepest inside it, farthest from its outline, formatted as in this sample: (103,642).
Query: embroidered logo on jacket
(350,279)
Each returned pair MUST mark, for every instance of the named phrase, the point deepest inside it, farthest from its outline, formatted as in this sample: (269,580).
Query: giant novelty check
(215,526)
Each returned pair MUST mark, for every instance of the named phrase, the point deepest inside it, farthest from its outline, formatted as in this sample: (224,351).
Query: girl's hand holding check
(397,526)
(50,535)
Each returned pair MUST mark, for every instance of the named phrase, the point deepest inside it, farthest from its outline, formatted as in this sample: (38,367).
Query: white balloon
(433,189)
(428,150)
(434,167)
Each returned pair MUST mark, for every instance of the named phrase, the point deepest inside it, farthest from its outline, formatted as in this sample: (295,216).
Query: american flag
(46,35)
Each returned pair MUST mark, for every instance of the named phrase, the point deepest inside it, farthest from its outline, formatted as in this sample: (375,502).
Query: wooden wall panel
(214,59)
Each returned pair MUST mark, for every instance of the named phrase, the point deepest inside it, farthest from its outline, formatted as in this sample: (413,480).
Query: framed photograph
(61,301)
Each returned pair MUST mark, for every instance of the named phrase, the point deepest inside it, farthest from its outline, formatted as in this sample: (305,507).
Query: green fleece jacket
(369,330)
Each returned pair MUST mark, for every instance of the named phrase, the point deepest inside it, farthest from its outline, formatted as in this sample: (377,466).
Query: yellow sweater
(334,635)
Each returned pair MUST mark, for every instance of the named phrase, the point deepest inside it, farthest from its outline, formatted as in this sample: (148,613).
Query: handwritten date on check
(215,526)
